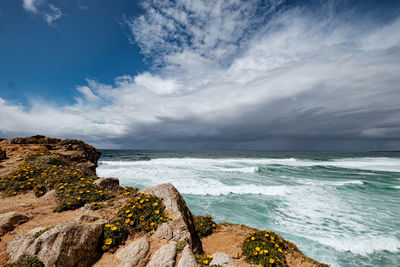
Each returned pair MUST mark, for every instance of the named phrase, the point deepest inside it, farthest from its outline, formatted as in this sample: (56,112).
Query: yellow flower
(205,261)
(255,252)
(142,218)
(252,238)
(108,241)
(155,204)
(127,220)
(131,223)
(261,252)
(271,260)
(130,215)
(213,225)
(107,225)
(104,247)
(258,249)
(209,256)
(78,198)
(265,251)
(157,212)
(113,228)
(280,250)
(276,245)
(127,211)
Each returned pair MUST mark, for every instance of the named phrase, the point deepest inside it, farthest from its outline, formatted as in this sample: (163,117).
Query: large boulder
(182,224)
(66,244)
(2,154)
(188,259)
(133,253)
(164,256)
(9,220)
(223,260)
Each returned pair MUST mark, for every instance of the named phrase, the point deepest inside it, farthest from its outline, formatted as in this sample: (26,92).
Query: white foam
(240,170)
(363,245)
(364,163)
(333,183)
(232,189)
(397,186)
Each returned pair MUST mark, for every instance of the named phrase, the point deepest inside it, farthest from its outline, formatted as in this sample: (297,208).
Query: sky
(196,74)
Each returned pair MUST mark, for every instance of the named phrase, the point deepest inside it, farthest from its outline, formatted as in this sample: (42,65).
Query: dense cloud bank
(233,75)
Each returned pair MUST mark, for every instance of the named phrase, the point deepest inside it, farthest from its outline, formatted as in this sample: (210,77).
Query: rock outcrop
(66,244)
(9,220)
(187,259)
(222,259)
(2,154)
(164,256)
(182,224)
(133,253)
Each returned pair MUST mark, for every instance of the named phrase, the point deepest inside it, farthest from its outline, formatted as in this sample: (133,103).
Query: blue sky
(281,75)
(45,60)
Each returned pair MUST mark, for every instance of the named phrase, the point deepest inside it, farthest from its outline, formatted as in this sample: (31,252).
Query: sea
(342,209)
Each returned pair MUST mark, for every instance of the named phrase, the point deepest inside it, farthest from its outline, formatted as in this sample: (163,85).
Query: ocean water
(342,209)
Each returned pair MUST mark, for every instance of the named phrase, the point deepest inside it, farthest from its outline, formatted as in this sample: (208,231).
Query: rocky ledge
(55,211)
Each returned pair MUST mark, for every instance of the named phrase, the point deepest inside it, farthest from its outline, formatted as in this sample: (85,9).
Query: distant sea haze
(342,209)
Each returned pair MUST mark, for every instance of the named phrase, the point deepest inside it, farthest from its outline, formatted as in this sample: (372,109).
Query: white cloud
(228,78)
(30,5)
(49,12)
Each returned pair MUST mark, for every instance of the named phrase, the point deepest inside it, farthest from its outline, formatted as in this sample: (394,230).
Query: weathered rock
(164,256)
(37,139)
(84,155)
(133,253)
(110,182)
(89,219)
(51,194)
(9,220)
(2,154)
(164,231)
(66,244)
(187,258)
(222,259)
(182,224)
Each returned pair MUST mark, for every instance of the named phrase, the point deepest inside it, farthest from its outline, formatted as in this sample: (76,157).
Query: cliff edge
(55,211)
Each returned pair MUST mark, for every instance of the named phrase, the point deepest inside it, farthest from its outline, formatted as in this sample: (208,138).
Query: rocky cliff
(55,211)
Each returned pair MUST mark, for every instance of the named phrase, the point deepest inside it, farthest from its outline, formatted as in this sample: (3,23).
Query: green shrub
(180,246)
(204,260)
(41,232)
(204,225)
(27,262)
(143,212)
(264,248)
(113,236)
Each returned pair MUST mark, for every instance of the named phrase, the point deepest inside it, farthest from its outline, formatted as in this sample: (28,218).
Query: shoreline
(226,238)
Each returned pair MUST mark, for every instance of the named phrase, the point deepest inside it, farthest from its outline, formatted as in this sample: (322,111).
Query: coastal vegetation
(264,248)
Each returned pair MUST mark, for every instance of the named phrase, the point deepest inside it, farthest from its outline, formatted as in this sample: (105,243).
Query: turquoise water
(342,209)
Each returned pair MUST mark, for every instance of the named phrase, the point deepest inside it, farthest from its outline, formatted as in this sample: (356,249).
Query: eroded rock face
(182,224)
(110,182)
(164,231)
(2,154)
(222,259)
(9,220)
(66,244)
(188,259)
(164,256)
(133,253)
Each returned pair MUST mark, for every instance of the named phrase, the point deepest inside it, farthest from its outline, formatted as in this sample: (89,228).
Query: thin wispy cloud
(241,74)
(49,12)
